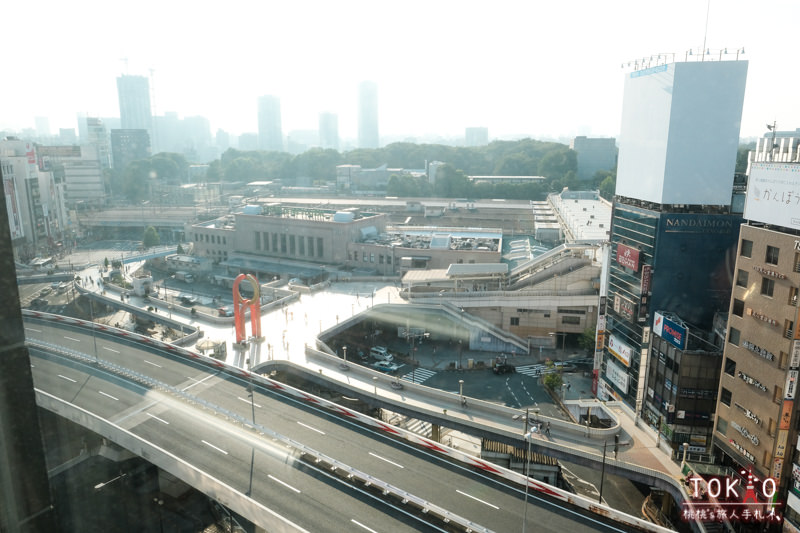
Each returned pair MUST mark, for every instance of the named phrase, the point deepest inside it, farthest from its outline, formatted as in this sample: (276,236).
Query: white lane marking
(159,419)
(276,480)
(387,460)
(196,381)
(211,445)
(33,329)
(359,524)
(477,499)
(108,395)
(311,428)
(71,339)
(110,349)
(68,379)
(151,363)
(246,400)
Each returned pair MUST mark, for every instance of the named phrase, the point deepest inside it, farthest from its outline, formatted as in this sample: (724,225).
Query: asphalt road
(229,452)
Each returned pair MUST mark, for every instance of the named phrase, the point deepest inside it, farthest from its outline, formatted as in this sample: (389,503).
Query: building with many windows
(674,231)
(134,103)
(757,418)
(594,154)
(128,146)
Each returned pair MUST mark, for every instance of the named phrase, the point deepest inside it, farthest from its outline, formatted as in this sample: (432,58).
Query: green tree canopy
(586,340)
(150,237)
(552,381)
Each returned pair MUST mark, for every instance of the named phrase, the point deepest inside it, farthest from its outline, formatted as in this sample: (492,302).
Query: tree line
(556,162)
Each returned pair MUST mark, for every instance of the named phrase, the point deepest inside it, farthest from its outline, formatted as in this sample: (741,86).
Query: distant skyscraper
(223,140)
(270,133)
(476,136)
(594,155)
(134,103)
(97,134)
(83,133)
(329,131)
(368,115)
(128,146)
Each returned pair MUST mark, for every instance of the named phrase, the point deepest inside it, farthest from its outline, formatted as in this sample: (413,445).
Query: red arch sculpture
(240,305)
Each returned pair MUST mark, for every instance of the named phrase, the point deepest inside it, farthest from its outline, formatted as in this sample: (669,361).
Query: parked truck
(501,365)
(186,277)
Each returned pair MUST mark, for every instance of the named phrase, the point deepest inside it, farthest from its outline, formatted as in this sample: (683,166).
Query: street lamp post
(602,474)
(375,385)
(527,416)
(527,480)
(252,393)
(343,365)
(160,503)
(94,337)
(461,392)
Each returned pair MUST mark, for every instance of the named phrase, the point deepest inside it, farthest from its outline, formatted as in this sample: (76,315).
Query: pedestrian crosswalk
(419,375)
(411,424)
(534,371)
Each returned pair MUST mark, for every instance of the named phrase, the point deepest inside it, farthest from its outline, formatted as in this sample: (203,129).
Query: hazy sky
(543,68)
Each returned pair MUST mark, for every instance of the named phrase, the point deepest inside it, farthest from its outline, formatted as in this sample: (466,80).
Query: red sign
(628,257)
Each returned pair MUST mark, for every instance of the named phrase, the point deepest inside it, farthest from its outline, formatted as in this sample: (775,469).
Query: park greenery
(556,162)
(527,157)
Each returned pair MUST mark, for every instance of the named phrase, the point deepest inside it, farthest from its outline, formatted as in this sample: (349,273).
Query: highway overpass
(304,464)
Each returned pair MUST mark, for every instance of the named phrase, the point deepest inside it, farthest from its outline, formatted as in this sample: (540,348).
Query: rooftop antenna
(774,129)
(705,34)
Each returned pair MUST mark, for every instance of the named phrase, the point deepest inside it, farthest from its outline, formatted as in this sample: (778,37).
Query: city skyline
(548,71)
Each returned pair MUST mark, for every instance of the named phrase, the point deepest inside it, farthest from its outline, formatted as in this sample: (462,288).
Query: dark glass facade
(685,261)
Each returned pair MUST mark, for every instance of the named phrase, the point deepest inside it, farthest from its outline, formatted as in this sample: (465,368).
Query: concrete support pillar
(666,503)
(436,432)
(25,503)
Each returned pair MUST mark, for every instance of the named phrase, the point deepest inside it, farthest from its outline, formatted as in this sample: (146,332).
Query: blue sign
(670,331)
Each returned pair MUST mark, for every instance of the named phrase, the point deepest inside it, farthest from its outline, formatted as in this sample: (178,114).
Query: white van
(380,353)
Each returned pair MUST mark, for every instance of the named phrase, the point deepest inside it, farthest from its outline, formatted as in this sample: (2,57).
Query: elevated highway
(283,458)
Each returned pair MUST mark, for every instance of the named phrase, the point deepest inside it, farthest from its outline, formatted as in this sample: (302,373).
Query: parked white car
(385,366)
(380,353)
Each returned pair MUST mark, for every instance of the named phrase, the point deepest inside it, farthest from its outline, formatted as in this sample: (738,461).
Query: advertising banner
(780,443)
(791,385)
(620,350)
(786,414)
(643,307)
(777,466)
(669,331)
(647,271)
(772,194)
(617,376)
(794,362)
(628,257)
(624,307)
(12,206)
